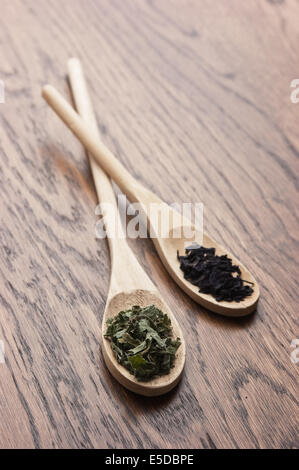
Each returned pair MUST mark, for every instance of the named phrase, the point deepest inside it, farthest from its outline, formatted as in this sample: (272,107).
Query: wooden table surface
(194,98)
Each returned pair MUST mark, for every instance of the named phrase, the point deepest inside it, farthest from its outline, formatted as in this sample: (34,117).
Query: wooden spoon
(165,243)
(129,284)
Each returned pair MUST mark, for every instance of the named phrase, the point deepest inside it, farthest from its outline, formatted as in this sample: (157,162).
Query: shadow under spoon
(162,234)
(129,284)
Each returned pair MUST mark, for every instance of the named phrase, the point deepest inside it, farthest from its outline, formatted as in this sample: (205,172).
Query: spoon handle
(91,141)
(126,272)
(84,107)
(102,182)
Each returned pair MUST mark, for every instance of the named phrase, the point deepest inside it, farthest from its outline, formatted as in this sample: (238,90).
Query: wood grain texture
(194,99)
(162,234)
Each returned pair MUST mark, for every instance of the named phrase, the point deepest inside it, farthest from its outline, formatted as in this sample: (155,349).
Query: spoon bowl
(168,249)
(156,386)
(172,240)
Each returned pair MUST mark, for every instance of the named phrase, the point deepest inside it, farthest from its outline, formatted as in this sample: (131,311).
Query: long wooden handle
(91,141)
(126,272)
(101,180)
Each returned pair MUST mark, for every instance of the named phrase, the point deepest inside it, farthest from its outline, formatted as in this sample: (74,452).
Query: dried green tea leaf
(141,347)
(137,361)
(149,331)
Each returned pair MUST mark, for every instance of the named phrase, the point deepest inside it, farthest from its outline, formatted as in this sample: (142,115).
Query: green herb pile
(141,339)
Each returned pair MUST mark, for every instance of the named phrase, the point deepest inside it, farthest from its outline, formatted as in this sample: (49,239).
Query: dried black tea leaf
(215,275)
(141,340)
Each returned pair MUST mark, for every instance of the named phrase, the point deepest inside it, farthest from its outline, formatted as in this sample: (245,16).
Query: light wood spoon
(166,244)
(129,284)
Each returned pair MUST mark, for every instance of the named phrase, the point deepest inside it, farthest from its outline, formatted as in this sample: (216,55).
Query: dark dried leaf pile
(141,339)
(215,275)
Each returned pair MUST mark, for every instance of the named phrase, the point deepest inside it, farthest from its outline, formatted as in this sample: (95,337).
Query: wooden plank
(194,99)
